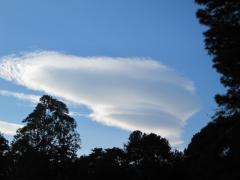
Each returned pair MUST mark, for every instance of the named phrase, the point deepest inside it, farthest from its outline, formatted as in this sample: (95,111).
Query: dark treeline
(46,147)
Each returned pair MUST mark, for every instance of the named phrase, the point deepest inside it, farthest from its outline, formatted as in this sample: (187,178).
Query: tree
(214,152)
(48,140)
(49,129)
(222,41)
(149,155)
(4,163)
(102,164)
(143,147)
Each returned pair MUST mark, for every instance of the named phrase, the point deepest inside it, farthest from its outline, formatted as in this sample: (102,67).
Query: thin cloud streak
(21,96)
(129,93)
(9,128)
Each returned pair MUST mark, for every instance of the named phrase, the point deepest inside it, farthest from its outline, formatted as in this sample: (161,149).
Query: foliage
(4,163)
(46,143)
(214,152)
(222,40)
(49,130)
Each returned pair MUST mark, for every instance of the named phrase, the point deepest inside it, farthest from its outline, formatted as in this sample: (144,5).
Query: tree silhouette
(50,130)
(214,152)
(48,140)
(143,147)
(145,156)
(107,164)
(4,163)
(149,155)
(222,41)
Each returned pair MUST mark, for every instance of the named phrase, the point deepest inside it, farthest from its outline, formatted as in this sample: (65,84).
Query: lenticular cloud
(129,93)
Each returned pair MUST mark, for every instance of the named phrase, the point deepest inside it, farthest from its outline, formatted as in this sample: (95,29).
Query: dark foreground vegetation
(46,147)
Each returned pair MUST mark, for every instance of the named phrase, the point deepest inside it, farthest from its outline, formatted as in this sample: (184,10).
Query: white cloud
(130,93)
(77,114)
(21,96)
(9,128)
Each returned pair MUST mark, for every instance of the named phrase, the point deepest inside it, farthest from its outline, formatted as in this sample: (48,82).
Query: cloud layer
(129,93)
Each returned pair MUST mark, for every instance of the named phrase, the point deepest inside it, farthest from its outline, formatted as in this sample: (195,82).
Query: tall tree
(222,41)
(48,140)
(214,152)
(49,129)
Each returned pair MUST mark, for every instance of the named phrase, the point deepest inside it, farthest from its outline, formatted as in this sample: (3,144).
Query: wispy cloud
(9,128)
(32,98)
(77,114)
(129,93)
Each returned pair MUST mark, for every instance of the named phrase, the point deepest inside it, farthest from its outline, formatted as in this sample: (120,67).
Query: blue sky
(165,32)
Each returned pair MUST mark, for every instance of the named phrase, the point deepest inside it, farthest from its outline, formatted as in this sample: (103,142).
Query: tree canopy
(214,152)
(222,41)
(46,143)
(50,130)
